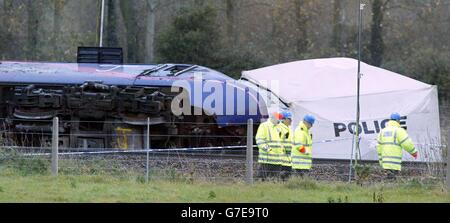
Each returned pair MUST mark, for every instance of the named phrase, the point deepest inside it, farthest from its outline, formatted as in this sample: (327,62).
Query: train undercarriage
(96,116)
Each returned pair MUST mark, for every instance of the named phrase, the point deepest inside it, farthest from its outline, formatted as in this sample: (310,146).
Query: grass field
(16,187)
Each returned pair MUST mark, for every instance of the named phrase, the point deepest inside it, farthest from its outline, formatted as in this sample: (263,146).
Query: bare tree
(128,12)
(111,24)
(2,32)
(377,42)
(301,22)
(32,26)
(152,7)
(57,20)
(337,37)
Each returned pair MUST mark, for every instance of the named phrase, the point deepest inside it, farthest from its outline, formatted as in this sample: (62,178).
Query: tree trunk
(336,39)
(128,14)
(150,31)
(301,21)
(376,42)
(32,26)
(2,28)
(8,39)
(111,24)
(57,20)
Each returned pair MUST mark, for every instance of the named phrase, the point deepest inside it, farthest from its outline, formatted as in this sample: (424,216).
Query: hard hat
(286,114)
(309,119)
(276,115)
(395,116)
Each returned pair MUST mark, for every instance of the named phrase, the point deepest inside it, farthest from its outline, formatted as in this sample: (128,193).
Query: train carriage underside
(97,116)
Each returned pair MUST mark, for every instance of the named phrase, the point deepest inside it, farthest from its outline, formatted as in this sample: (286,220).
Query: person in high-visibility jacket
(269,147)
(301,153)
(287,141)
(392,140)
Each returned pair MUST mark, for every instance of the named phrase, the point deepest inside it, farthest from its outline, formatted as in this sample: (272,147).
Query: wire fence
(178,166)
(227,163)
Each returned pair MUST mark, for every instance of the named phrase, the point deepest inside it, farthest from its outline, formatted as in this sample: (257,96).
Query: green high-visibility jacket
(269,144)
(391,141)
(302,138)
(287,142)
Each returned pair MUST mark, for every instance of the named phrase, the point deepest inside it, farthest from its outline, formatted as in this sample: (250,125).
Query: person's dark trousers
(391,175)
(300,173)
(266,171)
(262,173)
(285,172)
(274,171)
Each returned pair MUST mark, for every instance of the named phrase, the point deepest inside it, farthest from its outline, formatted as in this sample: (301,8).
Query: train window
(177,68)
(170,70)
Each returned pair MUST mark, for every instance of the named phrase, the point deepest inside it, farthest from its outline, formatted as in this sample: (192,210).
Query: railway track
(222,164)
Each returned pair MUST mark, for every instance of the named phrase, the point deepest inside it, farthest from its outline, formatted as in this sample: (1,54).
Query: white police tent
(326,88)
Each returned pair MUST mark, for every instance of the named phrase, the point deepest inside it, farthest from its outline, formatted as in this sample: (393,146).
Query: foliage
(212,195)
(233,62)
(24,165)
(376,41)
(338,200)
(301,183)
(428,65)
(192,37)
(363,173)
(92,166)
(378,197)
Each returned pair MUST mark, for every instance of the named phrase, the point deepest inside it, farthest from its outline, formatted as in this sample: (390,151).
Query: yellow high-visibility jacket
(287,142)
(391,141)
(302,138)
(269,144)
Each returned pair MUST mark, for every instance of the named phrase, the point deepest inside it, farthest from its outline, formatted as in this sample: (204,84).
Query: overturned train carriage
(107,106)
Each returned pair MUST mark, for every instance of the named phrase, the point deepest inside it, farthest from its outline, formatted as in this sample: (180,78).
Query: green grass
(16,187)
